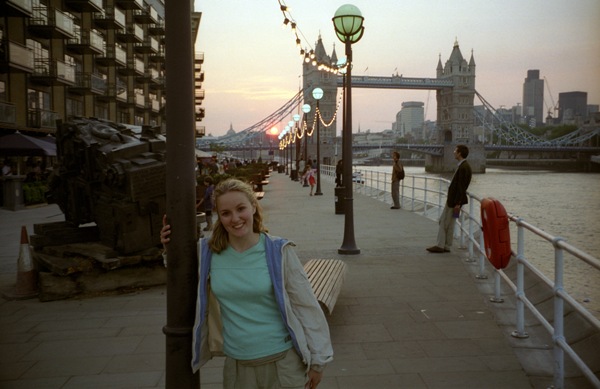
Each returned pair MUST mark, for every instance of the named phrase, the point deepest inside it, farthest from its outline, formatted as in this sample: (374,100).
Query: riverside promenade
(405,318)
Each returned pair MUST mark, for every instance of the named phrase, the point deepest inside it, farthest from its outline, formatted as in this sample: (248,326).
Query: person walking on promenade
(457,197)
(207,200)
(339,170)
(397,176)
(270,326)
(309,177)
(301,169)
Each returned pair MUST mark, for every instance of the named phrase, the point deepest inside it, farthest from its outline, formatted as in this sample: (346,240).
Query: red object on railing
(496,233)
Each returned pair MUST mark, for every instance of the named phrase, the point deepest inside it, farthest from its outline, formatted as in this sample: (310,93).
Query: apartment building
(91,58)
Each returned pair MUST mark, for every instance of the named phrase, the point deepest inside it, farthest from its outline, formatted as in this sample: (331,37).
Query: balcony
(18,58)
(130,4)
(146,16)
(52,72)
(18,8)
(110,19)
(42,118)
(153,105)
(114,56)
(114,92)
(135,66)
(8,114)
(148,46)
(84,5)
(198,58)
(131,34)
(136,99)
(159,56)
(199,96)
(199,77)
(89,83)
(157,29)
(49,22)
(87,42)
(149,75)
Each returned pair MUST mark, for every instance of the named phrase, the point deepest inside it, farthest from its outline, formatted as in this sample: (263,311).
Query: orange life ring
(496,234)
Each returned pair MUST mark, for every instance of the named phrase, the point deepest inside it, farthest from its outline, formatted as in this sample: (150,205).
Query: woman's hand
(165,232)
(314,378)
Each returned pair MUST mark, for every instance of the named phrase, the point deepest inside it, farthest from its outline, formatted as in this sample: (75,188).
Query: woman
(309,176)
(265,318)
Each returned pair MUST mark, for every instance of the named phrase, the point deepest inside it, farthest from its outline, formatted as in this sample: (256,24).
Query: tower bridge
(456,117)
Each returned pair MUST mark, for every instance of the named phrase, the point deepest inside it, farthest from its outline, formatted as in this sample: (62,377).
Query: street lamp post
(306,110)
(293,128)
(317,94)
(348,24)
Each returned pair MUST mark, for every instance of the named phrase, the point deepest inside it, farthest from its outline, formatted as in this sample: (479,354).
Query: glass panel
(138,32)
(24,4)
(139,65)
(154,44)
(120,16)
(64,22)
(65,71)
(8,113)
(121,55)
(20,55)
(97,41)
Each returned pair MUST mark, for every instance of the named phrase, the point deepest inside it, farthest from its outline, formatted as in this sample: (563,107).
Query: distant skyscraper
(411,119)
(572,106)
(533,98)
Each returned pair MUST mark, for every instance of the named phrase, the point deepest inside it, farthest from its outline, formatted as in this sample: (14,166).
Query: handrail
(419,195)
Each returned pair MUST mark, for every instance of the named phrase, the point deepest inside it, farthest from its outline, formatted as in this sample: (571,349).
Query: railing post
(412,202)
(482,258)
(471,257)
(496,298)
(520,293)
(559,335)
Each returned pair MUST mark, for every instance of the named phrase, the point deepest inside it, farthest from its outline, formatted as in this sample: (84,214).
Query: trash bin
(280,168)
(294,175)
(339,200)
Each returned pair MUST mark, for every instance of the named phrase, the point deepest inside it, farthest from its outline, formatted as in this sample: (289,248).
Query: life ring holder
(496,232)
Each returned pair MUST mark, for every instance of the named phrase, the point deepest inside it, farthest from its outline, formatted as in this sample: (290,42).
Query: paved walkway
(405,318)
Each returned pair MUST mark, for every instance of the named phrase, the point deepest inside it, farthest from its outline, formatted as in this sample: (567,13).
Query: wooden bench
(326,277)
(259,195)
(258,185)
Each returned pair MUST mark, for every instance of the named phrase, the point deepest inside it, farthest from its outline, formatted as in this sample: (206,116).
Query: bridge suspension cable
(265,124)
(514,135)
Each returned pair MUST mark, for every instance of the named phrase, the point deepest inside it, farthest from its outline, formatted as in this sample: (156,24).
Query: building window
(37,99)
(123,117)
(74,107)
(102,111)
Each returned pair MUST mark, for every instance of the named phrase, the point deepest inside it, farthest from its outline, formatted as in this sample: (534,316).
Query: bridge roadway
(397,82)
(405,318)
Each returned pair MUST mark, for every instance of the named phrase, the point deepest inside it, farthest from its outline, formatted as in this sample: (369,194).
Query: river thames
(562,204)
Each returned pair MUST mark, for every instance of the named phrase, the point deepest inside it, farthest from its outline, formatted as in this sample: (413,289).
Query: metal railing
(426,196)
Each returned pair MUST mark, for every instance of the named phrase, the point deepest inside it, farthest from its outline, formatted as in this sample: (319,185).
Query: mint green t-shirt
(252,324)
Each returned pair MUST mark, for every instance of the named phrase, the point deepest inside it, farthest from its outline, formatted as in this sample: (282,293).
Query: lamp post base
(348,251)
(318,194)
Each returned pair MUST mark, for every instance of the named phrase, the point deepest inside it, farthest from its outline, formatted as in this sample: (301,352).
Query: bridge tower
(313,77)
(455,114)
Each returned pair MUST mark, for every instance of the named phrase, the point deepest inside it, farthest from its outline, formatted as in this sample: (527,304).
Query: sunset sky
(252,66)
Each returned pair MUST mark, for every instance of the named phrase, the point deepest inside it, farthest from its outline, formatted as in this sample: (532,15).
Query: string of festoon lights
(306,52)
(291,132)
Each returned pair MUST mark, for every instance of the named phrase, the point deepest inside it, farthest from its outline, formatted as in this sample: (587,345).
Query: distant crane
(554,109)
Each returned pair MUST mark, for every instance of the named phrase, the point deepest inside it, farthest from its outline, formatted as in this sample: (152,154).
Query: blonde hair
(220,239)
